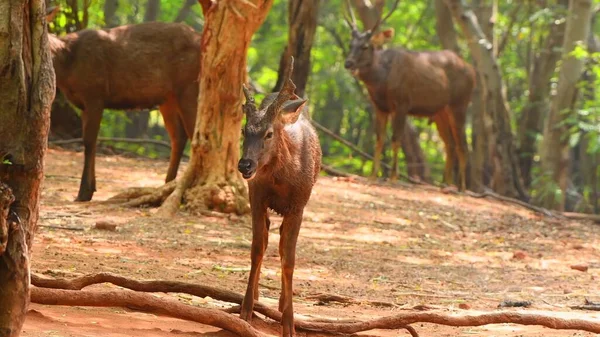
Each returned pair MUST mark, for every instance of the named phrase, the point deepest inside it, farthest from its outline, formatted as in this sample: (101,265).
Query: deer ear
(291,110)
(382,37)
(51,13)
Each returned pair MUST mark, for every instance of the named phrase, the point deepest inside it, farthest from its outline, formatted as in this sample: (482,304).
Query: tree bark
(417,168)
(506,175)
(302,23)
(532,116)
(26,93)
(211,179)
(555,146)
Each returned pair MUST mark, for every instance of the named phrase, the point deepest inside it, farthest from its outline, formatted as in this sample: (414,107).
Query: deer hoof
(246,315)
(84,196)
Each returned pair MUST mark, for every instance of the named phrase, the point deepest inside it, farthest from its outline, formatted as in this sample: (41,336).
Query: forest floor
(405,245)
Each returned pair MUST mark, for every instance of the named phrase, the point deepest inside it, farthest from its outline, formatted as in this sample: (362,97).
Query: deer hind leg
(443,125)
(287,251)
(259,245)
(91,118)
(381,120)
(188,108)
(456,116)
(398,123)
(169,111)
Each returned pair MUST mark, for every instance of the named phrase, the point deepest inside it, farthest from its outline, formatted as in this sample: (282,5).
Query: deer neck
(374,73)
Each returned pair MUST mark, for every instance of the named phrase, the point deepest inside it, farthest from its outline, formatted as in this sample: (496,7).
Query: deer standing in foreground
(281,161)
(400,82)
(129,67)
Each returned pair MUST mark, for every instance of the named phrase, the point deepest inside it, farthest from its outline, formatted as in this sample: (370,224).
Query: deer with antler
(433,84)
(281,161)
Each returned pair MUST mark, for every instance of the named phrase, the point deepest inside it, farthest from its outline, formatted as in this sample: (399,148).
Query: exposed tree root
(145,303)
(208,316)
(143,196)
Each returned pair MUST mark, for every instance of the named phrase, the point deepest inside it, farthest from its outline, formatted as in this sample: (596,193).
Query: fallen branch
(143,196)
(336,173)
(521,203)
(582,216)
(145,303)
(326,298)
(109,139)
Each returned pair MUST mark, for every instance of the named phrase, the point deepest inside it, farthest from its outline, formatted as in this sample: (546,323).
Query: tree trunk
(532,116)
(506,175)
(211,179)
(185,10)
(302,20)
(368,13)
(137,126)
(26,92)
(555,146)
(110,13)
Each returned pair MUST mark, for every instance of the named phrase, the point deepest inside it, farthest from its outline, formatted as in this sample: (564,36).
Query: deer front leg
(91,117)
(260,236)
(287,251)
(398,123)
(380,124)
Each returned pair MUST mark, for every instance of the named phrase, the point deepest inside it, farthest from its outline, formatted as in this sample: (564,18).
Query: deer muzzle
(247,168)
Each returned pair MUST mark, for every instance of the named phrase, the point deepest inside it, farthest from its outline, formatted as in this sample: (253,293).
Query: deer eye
(269,135)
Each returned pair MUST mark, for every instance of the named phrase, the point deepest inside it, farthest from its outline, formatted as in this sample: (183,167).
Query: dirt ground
(399,244)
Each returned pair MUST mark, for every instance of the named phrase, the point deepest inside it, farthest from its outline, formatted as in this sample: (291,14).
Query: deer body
(433,84)
(130,67)
(281,161)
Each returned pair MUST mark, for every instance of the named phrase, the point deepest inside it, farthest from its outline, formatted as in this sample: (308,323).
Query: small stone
(464,306)
(106,225)
(519,255)
(580,267)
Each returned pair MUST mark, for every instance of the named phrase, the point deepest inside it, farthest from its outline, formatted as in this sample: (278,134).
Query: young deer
(400,82)
(129,67)
(281,161)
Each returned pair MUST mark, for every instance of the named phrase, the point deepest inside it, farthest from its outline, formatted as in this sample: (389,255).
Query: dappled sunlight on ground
(402,245)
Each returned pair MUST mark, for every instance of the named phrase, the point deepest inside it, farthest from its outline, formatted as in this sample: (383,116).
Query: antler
(352,23)
(286,92)
(249,107)
(381,21)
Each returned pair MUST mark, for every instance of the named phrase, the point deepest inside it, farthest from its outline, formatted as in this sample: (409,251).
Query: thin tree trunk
(506,178)
(211,179)
(110,13)
(26,93)
(302,20)
(185,10)
(555,146)
(417,167)
(531,121)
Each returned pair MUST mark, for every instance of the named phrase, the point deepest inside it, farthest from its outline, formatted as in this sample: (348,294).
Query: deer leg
(259,244)
(457,126)
(287,251)
(380,124)
(188,105)
(91,119)
(442,124)
(177,135)
(397,128)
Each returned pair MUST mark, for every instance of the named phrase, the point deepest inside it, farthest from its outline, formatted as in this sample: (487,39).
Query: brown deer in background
(129,67)
(281,160)
(400,82)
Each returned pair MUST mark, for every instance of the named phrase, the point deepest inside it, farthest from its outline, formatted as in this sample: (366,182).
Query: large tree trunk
(302,23)
(26,92)
(532,116)
(555,146)
(110,13)
(368,13)
(506,175)
(211,179)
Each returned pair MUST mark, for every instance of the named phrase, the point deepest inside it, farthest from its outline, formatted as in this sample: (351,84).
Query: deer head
(364,44)
(265,125)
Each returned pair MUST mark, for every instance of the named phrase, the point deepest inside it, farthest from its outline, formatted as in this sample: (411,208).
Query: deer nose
(349,64)
(245,166)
